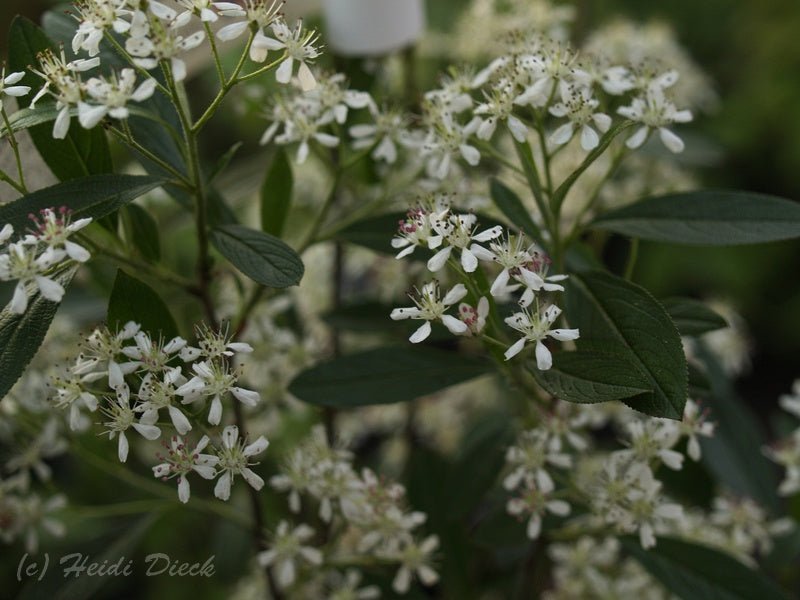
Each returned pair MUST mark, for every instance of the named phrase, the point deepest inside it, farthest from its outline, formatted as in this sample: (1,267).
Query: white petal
(122,447)
(232,31)
(438,260)
(468,261)
(562,135)
(19,303)
(223,488)
(215,414)
(589,138)
(470,154)
(256,447)
(638,138)
(455,326)
(284,72)
(564,335)
(421,334)
(306,78)
(544,360)
(454,295)
(183,489)
(180,421)
(251,478)
(515,349)
(61,126)
(52,290)
(670,140)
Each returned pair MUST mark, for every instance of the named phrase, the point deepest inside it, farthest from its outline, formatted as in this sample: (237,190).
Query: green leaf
(588,378)
(262,257)
(384,376)
(692,317)
(706,218)
(224,161)
(142,231)
(696,572)
(21,335)
(95,196)
(511,206)
(276,194)
(618,317)
(82,152)
(30,117)
(133,300)
(374,233)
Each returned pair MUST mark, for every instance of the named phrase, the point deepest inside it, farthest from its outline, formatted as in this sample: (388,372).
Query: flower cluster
(39,255)
(369,514)
(306,115)
(786,452)
(435,225)
(134,378)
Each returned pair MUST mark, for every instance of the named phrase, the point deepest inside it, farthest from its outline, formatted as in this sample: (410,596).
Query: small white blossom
(8,87)
(180,460)
(288,550)
(535,327)
(234,459)
(430,307)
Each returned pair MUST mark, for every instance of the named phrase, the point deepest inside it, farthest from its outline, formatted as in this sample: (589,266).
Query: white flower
(298,44)
(578,105)
(102,349)
(64,78)
(96,17)
(54,227)
(234,459)
(180,460)
(535,328)
(72,393)
(214,380)
(260,13)
(415,231)
(122,418)
(655,111)
(156,394)
(534,500)
(459,231)
(695,424)
(109,97)
(287,552)
(7,87)
(445,139)
(22,263)
(654,439)
(498,107)
(387,130)
(415,558)
(152,41)
(529,456)
(429,307)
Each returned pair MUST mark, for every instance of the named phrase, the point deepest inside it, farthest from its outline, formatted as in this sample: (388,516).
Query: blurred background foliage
(751,52)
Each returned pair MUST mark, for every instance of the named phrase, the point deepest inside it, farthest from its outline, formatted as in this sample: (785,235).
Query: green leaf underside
(692,317)
(133,300)
(262,257)
(695,572)
(706,218)
(21,335)
(589,378)
(384,376)
(276,194)
(83,152)
(621,318)
(511,206)
(95,196)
